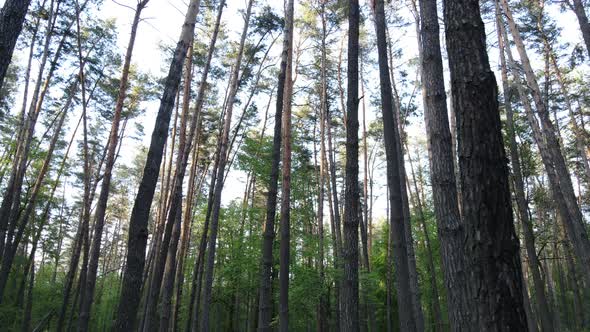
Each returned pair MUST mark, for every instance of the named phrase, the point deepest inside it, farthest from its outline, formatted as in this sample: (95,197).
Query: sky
(162,21)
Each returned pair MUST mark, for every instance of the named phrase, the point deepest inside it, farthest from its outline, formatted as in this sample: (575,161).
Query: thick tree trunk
(136,245)
(393,154)
(495,275)
(442,169)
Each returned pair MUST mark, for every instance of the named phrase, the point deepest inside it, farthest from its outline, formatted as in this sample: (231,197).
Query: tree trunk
(265,302)
(495,274)
(561,183)
(12,17)
(393,155)
(436,309)
(522,207)
(101,206)
(442,168)
(578,7)
(350,250)
(285,222)
(136,245)
(223,152)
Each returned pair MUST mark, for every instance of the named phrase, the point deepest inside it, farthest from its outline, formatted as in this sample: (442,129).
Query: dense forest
(324,165)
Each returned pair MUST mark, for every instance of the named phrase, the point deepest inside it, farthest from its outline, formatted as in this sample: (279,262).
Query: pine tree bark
(442,168)
(265,302)
(350,251)
(136,245)
(12,18)
(285,221)
(495,274)
(407,319)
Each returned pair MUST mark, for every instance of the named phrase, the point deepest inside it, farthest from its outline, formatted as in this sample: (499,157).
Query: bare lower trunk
(497,302)
(350,251)
(398,236)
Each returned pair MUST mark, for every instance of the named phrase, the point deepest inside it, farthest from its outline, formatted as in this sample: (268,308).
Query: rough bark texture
(493,261)
(138,232)
(285,222)
(12,17)
(350,250)
(442,169)
(394,181)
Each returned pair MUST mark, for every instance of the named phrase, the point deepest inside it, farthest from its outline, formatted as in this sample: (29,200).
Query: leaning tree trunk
(578,7)
(495,274)
(571,216)
(101,206)
(223,152)
(393,150)
(12,17)
(138,233)
(521,203)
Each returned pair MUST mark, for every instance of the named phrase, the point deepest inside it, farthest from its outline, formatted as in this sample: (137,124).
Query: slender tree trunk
(11,197)
(522,206)
(100,212)
(393,155)
(28,307)
(285,222)
(486,205)
(265,302)
(223,152)
(136,245)
(11,248)
(571,215)
(350,250)
(436,309)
